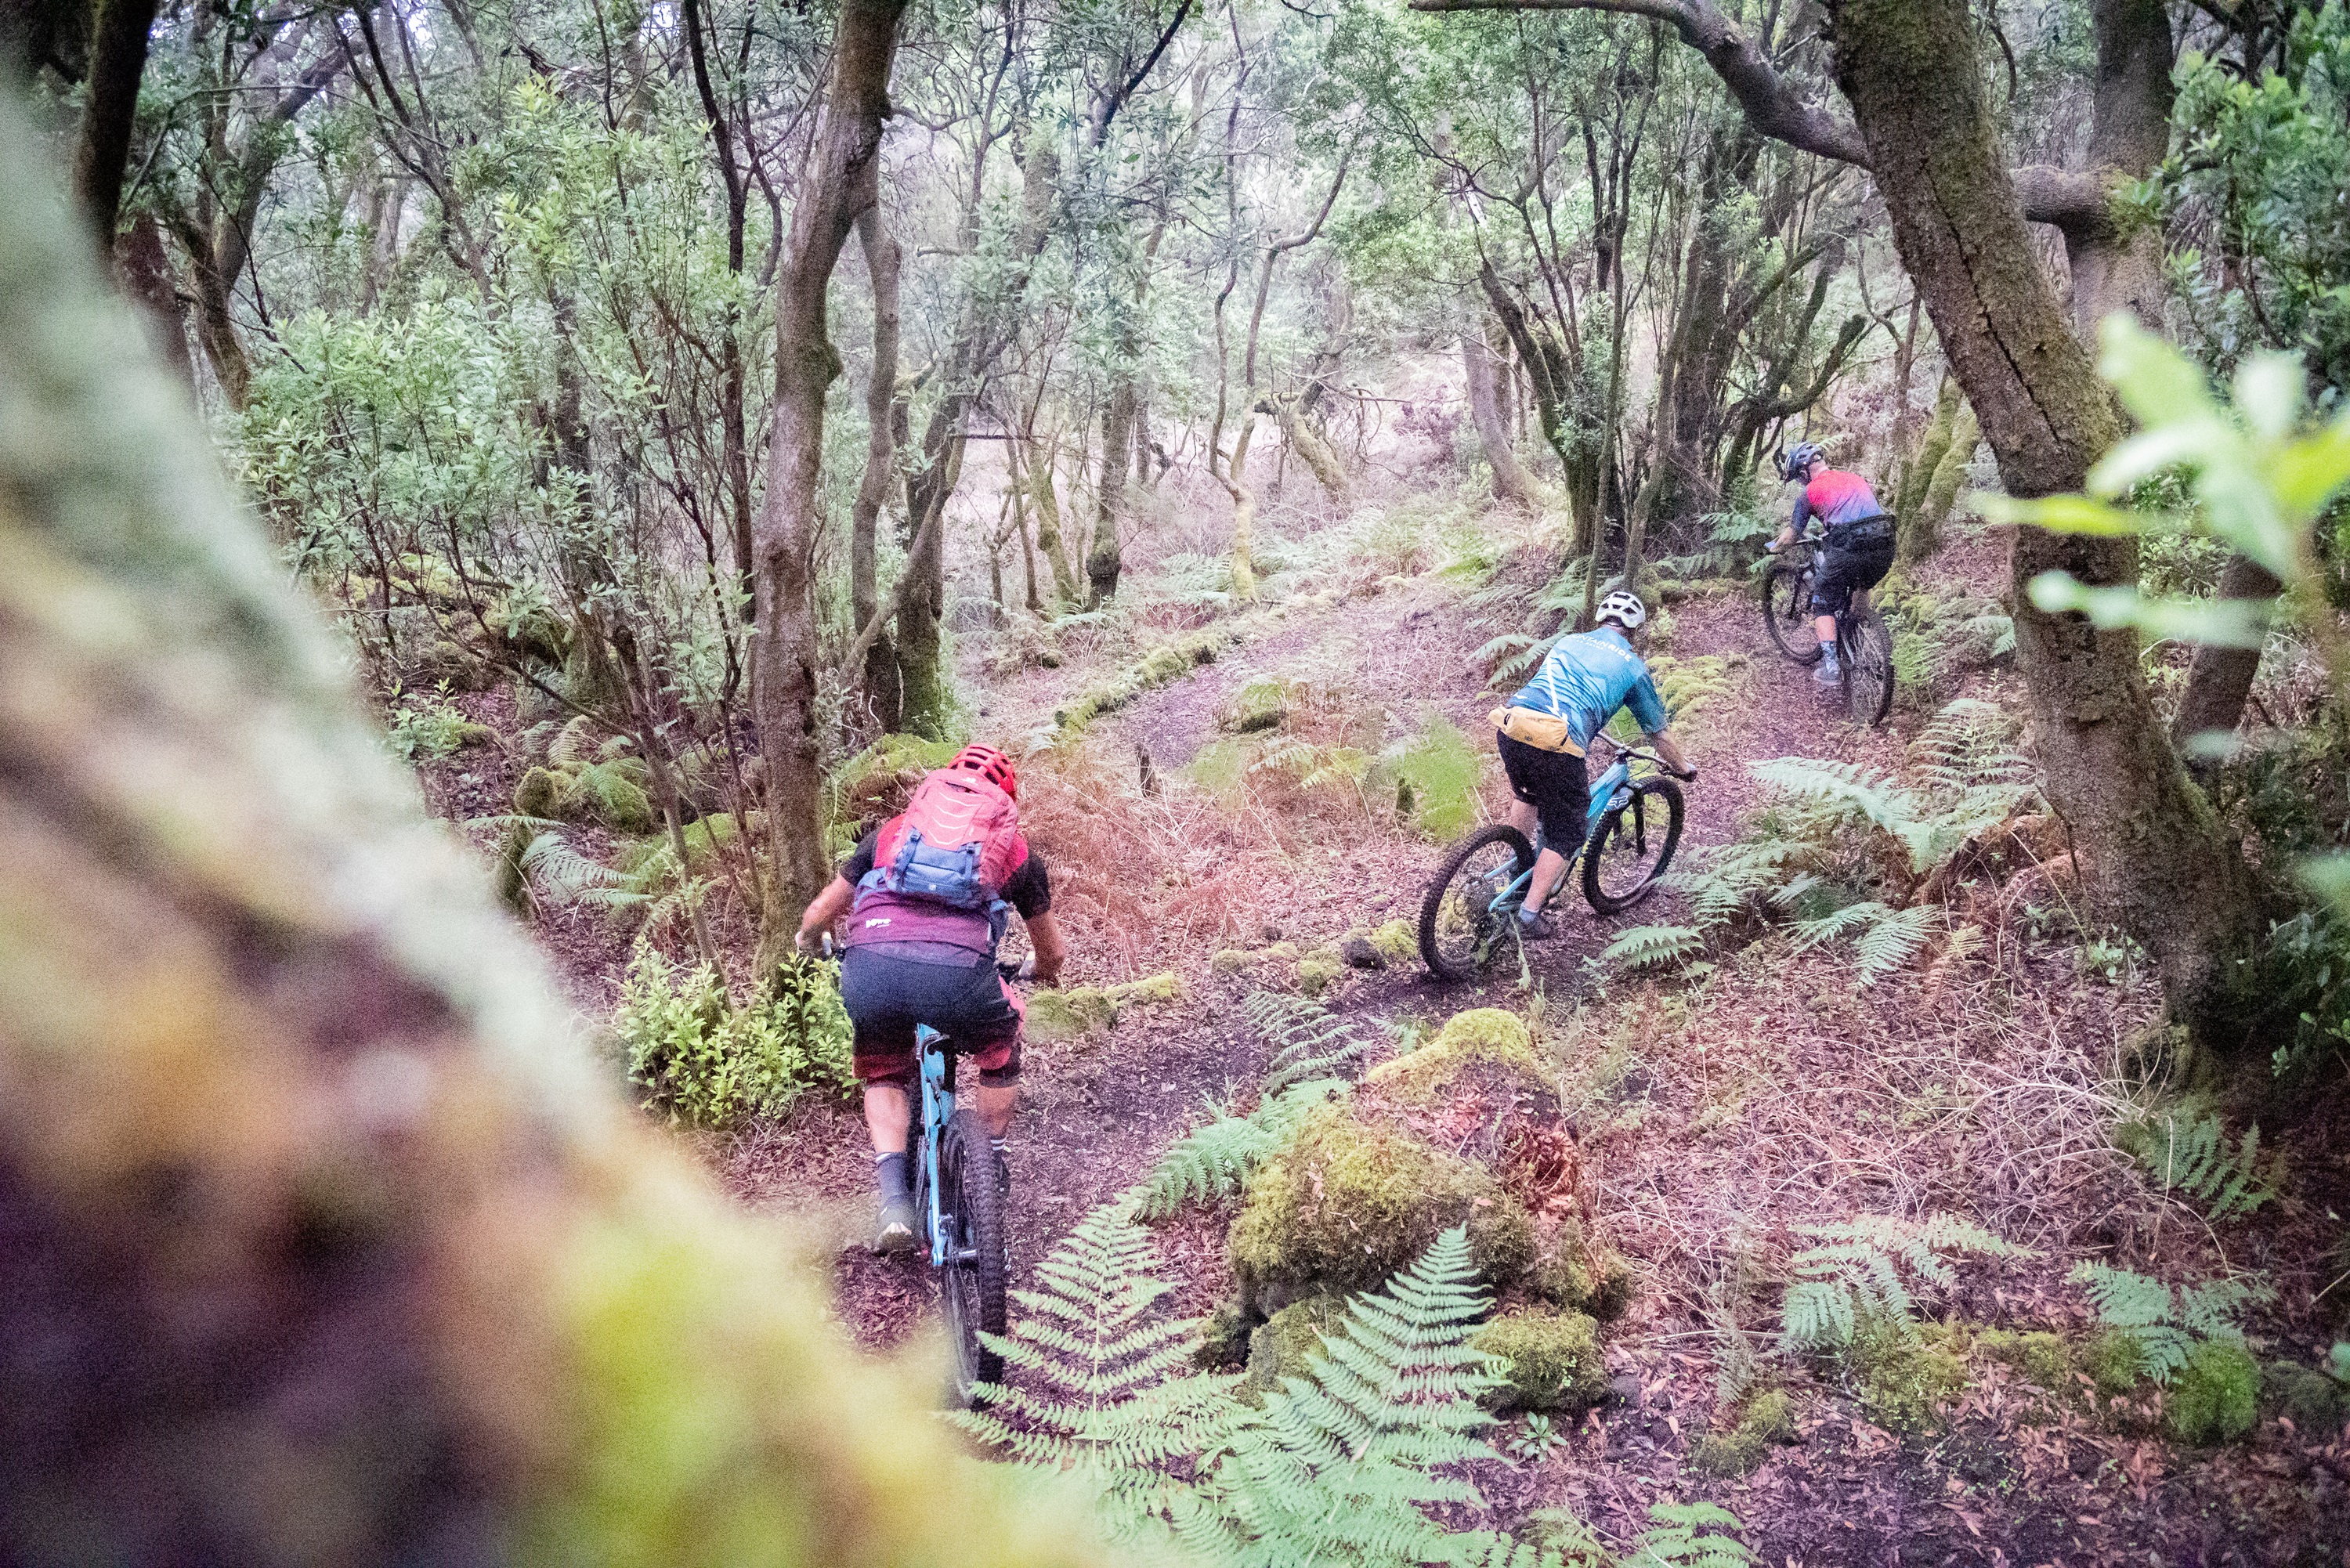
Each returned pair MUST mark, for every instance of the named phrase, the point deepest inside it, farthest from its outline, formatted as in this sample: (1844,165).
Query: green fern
(1308,1040)
(1341,1464)
(1654,947)
(1103,1394)
(1858,1271)
(1210,1163)
(2166,1324)
(2187,1150)
(1691,1535)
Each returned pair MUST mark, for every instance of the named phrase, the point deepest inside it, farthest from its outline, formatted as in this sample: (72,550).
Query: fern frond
(1210,1163)
(1653,947)
(1857,1269)
(2187,1150)
(2166,1324)
(1892,941)
(1691,1535)
(1308,1040)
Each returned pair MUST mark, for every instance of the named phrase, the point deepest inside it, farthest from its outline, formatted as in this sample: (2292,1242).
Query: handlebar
(1643,754)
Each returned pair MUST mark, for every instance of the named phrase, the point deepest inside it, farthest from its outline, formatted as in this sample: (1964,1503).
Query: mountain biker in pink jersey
(1856,554)
(913,956)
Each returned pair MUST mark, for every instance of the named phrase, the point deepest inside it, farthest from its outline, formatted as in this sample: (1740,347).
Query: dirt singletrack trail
(1097,1113)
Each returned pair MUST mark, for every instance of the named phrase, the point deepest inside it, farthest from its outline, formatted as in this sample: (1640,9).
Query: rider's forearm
(826,907)
(1669,749)
(1052,951)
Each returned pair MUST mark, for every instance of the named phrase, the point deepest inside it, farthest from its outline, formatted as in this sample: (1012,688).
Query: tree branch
(2071,200)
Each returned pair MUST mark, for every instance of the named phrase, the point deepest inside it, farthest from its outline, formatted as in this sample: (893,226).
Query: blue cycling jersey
(1589,676)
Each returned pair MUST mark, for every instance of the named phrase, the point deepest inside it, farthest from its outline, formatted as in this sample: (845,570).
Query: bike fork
(938,1110)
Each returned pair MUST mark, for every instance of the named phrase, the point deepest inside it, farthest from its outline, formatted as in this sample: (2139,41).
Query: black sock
(889,1170)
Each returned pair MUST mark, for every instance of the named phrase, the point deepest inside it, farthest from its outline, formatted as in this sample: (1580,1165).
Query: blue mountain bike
(960,1197)
(1469,914)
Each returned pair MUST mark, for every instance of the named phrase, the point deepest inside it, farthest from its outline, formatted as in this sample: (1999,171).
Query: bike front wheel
(1459,928)
(1632,847)
(1787,611)
(1868,668)
(970,1209)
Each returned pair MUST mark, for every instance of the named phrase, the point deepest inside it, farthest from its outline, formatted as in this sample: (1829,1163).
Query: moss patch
(1317,971)
(1768,1418)
(1905,1375)
(2113,1362)
(1156,668)
(1347,1204)
(1286,1341)
(1084,1009)
(1550,1359)
(1565,1274)
(1397,941)
(2215,1396)
(1479,1042)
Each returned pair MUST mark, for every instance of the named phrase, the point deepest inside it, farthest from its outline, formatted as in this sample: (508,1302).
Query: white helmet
(1623,607)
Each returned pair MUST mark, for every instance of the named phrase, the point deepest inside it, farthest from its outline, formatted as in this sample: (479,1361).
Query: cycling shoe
(895,1233)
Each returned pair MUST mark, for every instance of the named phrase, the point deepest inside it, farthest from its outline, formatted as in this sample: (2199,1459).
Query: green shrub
(423,728)
(711,1063)
(2215,1397)
(1434,776)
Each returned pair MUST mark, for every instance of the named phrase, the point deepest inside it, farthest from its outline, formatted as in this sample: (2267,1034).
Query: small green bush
(711,1063)
(424,728)
(2215,1397)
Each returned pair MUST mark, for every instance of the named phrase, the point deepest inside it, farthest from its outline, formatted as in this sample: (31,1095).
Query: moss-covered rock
(1551,1360)
(1349,1202)
(1084,1010)
(1487,1045)
(471,734)
(1397,941)
(1905,1375)
(1261,704)
(1223,1339)
(530,628)
(1286,1341)
(2314,1403)
(1570,1272)
(2215,1396)
(1319,970)
(2113,1362)
(1768,1418)
(540,794)
(1228,961)
(2044,1359)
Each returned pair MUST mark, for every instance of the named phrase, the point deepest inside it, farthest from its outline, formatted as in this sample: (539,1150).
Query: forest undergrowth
(1761,1107)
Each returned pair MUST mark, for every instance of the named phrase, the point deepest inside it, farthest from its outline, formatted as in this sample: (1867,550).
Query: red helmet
(990,764)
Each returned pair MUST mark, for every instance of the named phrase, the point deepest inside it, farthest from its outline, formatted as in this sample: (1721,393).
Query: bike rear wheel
(971,1285)
(1459,928)
(1632,847)
(1867,668)
(1787,611)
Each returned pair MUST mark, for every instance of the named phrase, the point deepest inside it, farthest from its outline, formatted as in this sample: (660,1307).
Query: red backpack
(957,842)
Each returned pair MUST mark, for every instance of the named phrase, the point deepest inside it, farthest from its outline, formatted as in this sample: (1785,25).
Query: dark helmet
(1799,462)
(990,764)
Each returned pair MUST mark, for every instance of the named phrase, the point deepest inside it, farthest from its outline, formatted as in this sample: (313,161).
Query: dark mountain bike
(1470,913)
(1864,646)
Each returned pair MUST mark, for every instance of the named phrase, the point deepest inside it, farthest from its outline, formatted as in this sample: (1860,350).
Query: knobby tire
(1868,668)
(1433,915)
(971,1204)
(1635,820)
(1787,611)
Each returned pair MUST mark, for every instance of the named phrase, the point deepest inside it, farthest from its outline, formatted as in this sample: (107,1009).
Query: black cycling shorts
(1844,571)
(1555,783)
(887,994)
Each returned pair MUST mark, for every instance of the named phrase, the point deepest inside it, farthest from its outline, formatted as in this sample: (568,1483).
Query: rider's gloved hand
(1771,548)
(1028,967)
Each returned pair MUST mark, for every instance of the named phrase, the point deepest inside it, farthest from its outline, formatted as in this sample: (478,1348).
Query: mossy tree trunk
(1909,68)
(326,1241)
(1481,370)
(841,181)
(880,678)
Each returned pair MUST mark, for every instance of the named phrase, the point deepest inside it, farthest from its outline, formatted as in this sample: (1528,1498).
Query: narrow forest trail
(1716,1114)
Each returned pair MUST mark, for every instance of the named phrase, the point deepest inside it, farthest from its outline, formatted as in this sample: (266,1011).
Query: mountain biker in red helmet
(1856,553)
(926,895)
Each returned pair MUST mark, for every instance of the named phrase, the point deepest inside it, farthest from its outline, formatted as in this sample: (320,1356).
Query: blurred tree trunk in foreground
(323,1241)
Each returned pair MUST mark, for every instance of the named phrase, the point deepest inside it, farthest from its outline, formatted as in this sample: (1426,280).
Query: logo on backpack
(957,843)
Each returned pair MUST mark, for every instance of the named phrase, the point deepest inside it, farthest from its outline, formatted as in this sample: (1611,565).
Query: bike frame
(1604,792)
(938,1109)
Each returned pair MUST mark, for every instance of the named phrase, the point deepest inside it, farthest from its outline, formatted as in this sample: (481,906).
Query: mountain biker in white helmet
(1544,729)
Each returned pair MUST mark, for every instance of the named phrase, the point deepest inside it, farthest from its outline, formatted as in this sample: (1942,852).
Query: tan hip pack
(1543,732)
